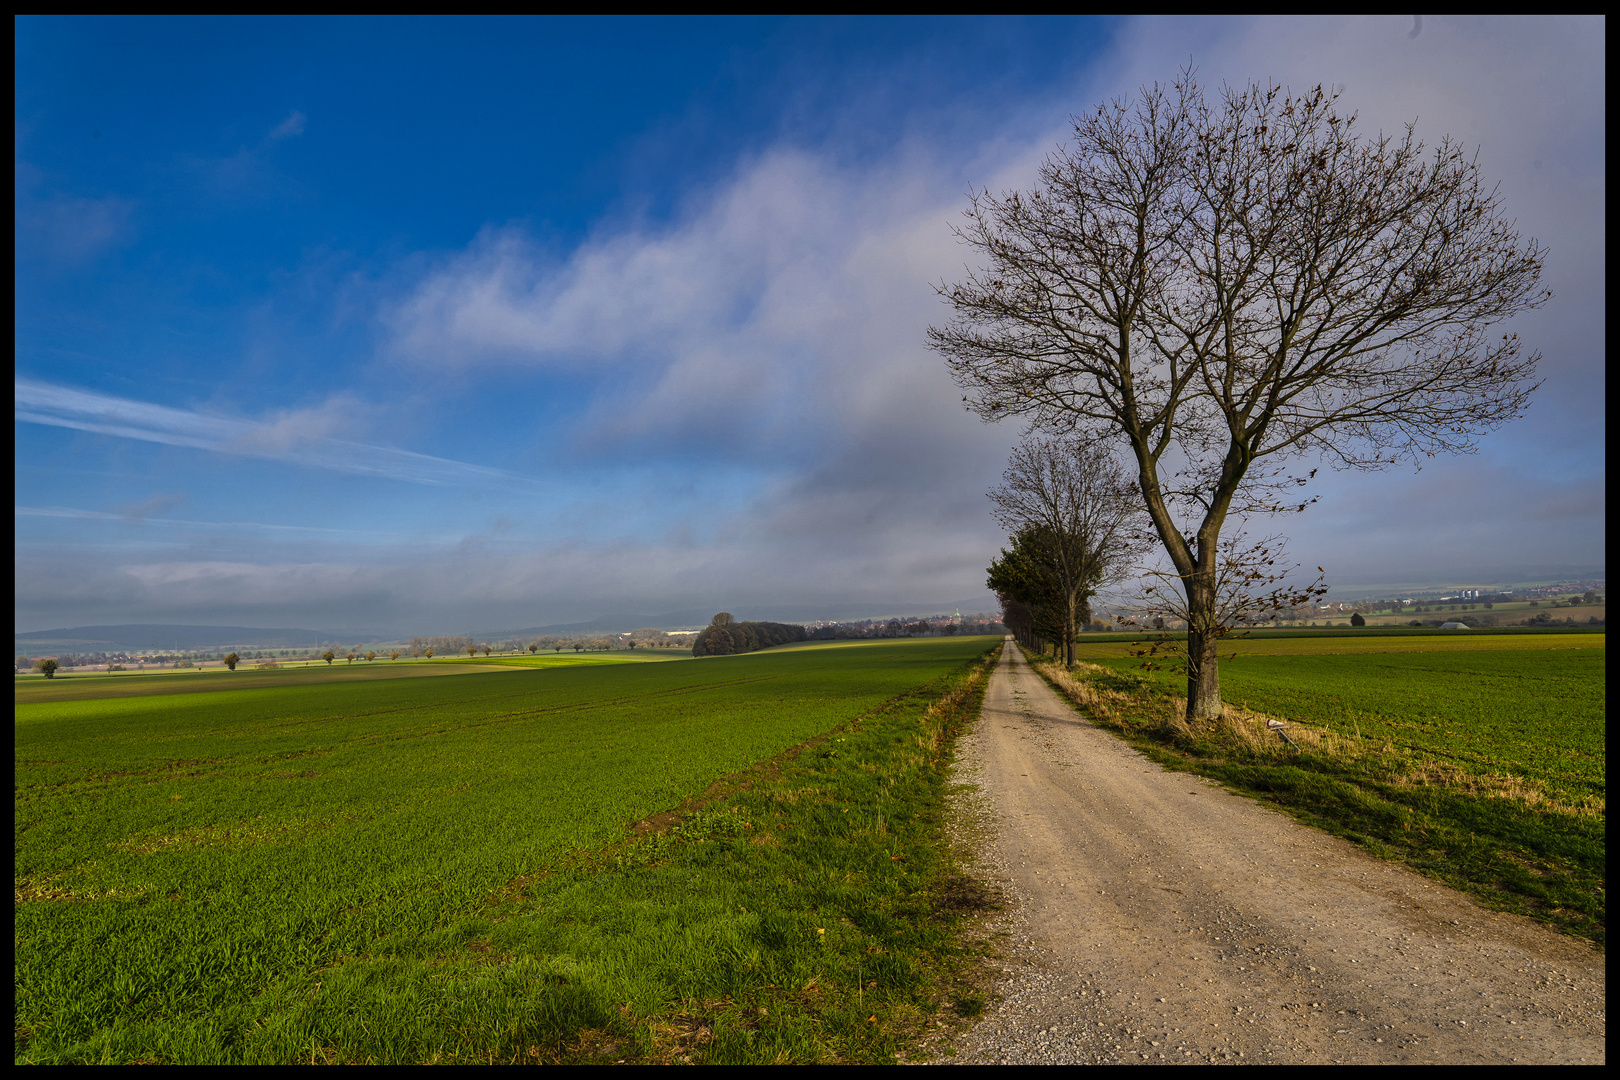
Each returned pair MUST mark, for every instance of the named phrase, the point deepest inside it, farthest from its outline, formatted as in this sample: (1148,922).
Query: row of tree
(1076,526)
(861,629)
(725,636)
(443,644)
(98,659)
(1215,287)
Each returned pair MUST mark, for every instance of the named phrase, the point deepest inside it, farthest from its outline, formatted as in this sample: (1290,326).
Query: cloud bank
(772,331)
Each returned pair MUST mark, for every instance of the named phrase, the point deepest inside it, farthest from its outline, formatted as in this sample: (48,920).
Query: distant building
(1455,626)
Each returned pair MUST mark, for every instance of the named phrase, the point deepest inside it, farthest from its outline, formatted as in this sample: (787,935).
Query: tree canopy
(728,637)
(1221,287)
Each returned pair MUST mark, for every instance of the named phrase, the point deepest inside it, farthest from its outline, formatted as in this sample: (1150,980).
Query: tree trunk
(1068,632)
(1203,642)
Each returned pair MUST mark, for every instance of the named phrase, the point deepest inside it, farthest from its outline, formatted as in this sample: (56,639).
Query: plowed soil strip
(1161,919)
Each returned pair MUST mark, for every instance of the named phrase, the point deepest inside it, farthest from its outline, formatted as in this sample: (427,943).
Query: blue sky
(438,325)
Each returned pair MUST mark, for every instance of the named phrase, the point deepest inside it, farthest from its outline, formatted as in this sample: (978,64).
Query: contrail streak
(54,406)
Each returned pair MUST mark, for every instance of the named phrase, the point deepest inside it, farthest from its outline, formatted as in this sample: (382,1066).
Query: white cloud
(480,584)
(288,128)
(137,512)
(142,514)
(65,231)
(300,437)
(793,299)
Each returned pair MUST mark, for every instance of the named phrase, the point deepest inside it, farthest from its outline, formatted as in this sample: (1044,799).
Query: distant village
(441,646)
(1568,603)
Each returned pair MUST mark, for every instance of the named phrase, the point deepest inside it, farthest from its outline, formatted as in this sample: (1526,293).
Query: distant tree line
(725,636)
(907,627)
(113,661)
(442,643)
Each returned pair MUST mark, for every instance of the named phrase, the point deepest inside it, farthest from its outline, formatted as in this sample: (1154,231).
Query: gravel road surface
(1157,918)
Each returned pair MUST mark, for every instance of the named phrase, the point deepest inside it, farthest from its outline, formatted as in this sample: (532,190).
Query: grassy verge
(1494,836)
(807,910)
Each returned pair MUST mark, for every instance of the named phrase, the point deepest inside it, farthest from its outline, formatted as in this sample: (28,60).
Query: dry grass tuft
(50,888)
(1497,786)
(241,835)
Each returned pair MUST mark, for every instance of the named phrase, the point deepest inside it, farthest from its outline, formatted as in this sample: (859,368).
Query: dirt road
(1159,918)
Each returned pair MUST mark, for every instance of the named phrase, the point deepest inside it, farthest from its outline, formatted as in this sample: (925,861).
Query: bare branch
(1222,287)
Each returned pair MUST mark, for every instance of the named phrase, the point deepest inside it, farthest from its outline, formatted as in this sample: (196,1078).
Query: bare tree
(1078,520)
(1224,287)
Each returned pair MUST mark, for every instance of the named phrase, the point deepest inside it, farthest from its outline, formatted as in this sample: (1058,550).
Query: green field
(1528,706)
(1479,760)
(81,686)
(412,869)
(573,659)
(1536,714)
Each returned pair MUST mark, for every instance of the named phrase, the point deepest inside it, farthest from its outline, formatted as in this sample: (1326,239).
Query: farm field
(1503,613)
(1482,759)
(1533,707)
(1324,634)
(1338,642)
(82,687)
(358,870)
(573,659)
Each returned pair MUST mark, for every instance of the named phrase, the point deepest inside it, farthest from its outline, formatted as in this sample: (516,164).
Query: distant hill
(177,637)
(607,624)
(1488,578)
(696,619)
